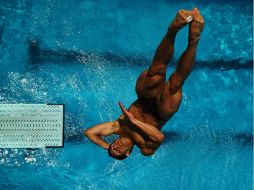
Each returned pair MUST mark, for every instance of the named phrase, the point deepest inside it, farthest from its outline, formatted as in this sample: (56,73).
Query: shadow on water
(38,55)
(173,137)
(244,140)
(208,2)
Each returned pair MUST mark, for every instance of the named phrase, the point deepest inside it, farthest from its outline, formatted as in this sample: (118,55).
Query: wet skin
(119,147)
(158,98)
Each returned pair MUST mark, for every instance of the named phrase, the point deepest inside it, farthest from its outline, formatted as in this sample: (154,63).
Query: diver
(158,99)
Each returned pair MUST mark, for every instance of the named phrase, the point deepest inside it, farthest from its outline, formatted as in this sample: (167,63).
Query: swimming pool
(208,143)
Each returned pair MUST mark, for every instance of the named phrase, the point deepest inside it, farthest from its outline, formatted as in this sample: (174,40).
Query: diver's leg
(187,59)
(165,49)
(151,81)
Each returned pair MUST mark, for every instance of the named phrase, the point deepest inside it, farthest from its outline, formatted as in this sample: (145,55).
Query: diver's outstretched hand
(127,113)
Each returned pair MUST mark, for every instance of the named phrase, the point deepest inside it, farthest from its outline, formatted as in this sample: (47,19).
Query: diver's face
(119,147)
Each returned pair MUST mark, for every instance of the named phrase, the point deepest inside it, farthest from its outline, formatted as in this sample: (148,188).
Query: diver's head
(120,148)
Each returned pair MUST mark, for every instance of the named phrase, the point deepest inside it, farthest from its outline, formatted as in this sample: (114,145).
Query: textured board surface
(31,125)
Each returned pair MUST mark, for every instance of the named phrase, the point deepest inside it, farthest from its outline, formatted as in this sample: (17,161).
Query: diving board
(31,125)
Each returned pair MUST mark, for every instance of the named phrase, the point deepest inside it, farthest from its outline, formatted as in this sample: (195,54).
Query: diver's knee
(157,69)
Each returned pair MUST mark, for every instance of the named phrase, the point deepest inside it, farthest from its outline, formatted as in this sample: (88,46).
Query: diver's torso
(159,109)
(148,112)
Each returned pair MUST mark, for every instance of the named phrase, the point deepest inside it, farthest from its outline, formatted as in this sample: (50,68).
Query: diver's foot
(183,17)
(196,26)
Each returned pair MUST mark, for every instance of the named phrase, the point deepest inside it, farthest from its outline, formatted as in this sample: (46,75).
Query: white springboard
(31,125)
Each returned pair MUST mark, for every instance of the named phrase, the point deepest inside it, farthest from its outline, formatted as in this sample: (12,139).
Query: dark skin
(158,99)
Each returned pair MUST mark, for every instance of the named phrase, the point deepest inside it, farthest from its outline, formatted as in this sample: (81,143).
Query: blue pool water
(209,141)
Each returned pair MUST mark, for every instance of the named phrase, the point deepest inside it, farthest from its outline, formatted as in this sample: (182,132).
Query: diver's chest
(142,140)
(144,115)
(139,137)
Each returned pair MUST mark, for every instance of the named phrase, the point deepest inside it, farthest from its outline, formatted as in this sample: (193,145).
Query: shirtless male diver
(158,99)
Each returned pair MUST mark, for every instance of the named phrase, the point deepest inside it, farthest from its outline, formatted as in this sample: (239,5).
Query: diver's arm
(151,131)
(96,132)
